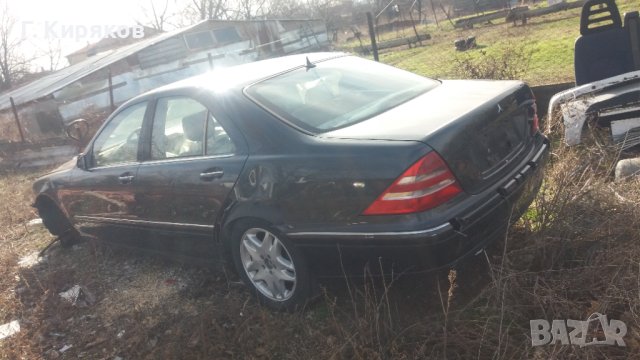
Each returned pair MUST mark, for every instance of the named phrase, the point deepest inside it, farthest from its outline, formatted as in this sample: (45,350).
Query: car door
(191,168)
(102,195)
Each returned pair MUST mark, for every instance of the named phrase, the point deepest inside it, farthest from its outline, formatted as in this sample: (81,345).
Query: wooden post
(447,14)
(413,23)
(435,16)
(15,114)
(111,102)
(372,34)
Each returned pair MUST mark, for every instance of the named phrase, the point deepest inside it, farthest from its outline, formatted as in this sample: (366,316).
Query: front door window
(118,141)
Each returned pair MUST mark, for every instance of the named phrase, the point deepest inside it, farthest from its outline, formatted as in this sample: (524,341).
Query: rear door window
(178,128)
(218,141)
(183,127)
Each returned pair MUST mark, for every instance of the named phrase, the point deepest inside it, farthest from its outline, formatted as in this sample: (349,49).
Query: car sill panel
(116,221)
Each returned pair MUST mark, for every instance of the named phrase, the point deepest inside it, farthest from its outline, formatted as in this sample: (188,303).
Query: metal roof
(48,84)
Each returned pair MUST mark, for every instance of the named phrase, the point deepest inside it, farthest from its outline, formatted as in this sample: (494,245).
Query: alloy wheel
(268,264)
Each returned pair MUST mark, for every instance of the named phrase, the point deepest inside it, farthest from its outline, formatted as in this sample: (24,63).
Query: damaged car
(304,165)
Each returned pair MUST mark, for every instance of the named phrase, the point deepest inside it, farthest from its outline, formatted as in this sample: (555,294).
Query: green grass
(549,39)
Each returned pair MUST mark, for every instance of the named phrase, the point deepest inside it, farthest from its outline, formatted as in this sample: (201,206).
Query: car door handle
(209,175)
(126,178)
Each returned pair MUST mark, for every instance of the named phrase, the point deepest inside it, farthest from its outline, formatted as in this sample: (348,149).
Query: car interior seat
(193,127)
(632,27)
(603,48)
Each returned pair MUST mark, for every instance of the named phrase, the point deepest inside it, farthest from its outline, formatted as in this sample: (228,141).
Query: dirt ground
(574,254)
(141,305)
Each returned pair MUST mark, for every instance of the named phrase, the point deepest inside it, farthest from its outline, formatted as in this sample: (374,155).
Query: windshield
(337,93)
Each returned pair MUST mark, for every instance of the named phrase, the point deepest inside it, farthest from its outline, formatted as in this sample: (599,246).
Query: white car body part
(574,103)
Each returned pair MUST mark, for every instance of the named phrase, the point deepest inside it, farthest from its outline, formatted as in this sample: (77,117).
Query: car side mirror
(81,162)
(77,129)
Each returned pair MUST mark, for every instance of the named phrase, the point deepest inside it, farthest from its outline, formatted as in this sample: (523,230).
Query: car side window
(218,141)
(178,128)
(118,141)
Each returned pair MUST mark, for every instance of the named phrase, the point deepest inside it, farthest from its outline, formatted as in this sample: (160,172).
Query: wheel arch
(240,212)
(45,201)
(53,216)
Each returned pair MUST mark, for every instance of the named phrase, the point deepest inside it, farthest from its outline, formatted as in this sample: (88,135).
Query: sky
(72,23)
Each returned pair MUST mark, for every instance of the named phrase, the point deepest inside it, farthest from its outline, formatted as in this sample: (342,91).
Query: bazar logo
(596,330)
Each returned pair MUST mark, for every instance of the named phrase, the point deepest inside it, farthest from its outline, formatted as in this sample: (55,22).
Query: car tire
(271,266)
(58,225)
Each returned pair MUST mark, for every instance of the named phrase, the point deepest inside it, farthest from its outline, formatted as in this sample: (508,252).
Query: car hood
(68,165)
(61,171)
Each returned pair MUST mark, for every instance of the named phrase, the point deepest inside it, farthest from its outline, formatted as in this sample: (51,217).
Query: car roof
(239,76)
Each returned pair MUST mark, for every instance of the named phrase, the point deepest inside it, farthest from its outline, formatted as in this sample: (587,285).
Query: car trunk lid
(479,127)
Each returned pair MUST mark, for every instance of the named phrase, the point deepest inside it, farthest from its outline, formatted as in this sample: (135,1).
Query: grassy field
(548,42)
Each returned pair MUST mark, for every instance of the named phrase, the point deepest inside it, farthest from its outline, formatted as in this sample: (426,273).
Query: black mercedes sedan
(304,165)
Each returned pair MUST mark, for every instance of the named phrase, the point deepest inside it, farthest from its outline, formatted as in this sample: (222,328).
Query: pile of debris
(607,70)
(465,44)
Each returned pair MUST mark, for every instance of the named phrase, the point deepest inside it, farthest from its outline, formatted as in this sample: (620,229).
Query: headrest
(193,126)
(599,15)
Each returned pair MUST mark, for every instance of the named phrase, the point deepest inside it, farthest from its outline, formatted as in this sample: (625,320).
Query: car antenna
(309,65)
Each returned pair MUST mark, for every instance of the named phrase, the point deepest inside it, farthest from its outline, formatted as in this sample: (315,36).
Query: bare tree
(249,9)
(54,54)
(210,9)
(288,9)
(327,10)
(194,11)
(156,17)
(13,64)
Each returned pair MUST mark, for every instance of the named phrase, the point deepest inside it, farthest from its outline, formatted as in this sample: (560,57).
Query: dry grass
(575,252)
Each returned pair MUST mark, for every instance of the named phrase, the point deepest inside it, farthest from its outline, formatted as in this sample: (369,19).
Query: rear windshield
(337,93)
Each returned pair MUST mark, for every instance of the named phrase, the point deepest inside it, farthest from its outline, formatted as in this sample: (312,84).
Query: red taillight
(535,122)
(426,184)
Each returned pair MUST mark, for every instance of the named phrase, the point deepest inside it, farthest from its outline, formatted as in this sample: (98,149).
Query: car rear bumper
(333,252)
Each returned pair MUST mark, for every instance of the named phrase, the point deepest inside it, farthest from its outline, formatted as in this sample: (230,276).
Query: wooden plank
(554,8)
(15,114)
(398,42)
(480,19)
(517,13)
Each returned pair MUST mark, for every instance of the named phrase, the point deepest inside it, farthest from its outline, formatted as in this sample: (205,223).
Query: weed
(510,62)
